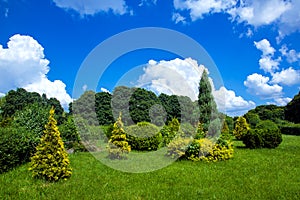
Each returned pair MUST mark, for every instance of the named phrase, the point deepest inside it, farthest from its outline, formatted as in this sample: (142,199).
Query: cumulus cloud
(284,14)
(291,55)
(91,7)
(258,13)
(200,8)
(233,105)
(281,101)
(265,46)
(267,63)
(288,77)
(259,85)
(177,18)
(23,64)
(182,77)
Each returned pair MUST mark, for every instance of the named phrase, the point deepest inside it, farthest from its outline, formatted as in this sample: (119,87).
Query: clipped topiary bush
(265,135)
(144,136)
(50,161)
(290,129)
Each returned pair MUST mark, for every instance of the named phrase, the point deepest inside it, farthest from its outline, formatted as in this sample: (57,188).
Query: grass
(252,174)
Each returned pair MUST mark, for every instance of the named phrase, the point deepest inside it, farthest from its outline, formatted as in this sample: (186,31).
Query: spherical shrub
(265,135)
(144,136)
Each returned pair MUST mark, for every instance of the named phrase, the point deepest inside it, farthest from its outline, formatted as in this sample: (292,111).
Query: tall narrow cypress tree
(207,105)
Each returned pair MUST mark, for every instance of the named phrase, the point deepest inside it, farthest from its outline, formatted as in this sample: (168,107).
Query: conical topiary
(50,161)
(117,145)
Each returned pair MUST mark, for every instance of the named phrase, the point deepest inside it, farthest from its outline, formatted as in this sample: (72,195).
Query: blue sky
(254,44)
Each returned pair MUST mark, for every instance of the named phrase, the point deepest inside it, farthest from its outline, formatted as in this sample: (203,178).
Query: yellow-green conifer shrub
(118,147)
(241,128)
(50,161)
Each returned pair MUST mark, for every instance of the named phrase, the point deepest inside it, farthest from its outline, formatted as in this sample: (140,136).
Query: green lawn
(252,174)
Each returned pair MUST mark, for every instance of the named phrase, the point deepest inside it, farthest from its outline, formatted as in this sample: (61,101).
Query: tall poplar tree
(207,105)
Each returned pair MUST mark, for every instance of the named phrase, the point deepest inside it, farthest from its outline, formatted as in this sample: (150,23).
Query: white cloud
(2,94)
(23,64)
(182,77)
(290,20)
(258,85)
(282,13)
(55,89)
(147,2)
(234,105)
(267,63)
(282,101)
(177,18)
(258,13)
(291,55)
(104,90)
(199,8)
(288,76)
(91,7)
(265,46)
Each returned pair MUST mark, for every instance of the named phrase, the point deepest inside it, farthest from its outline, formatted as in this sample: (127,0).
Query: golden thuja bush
(178,146)
(118,146)
(50,161)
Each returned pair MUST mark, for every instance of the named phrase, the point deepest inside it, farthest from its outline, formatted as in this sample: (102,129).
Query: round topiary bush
(144,136)
(265,135)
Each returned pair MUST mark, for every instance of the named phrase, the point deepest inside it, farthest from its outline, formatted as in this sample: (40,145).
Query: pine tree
(207,105)
(117,145)
(241,128)
(51,162)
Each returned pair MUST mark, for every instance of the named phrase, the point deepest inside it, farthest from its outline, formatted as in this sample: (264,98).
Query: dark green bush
(16,147)
(107,130)
(69,133)
(143,136)
(290,129)
(265,135)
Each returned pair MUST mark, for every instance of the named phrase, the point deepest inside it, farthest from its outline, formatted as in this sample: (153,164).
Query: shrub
(16,147)
(178,146)
(187,130)
(220,153)
(117,145)
(144,136)
(241,128)
(290,129)
(170,131)
(265,135)
(50,161)
(200,132)
(69,133)
(252,119)
(198,149)
(107,130)
(204,149)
